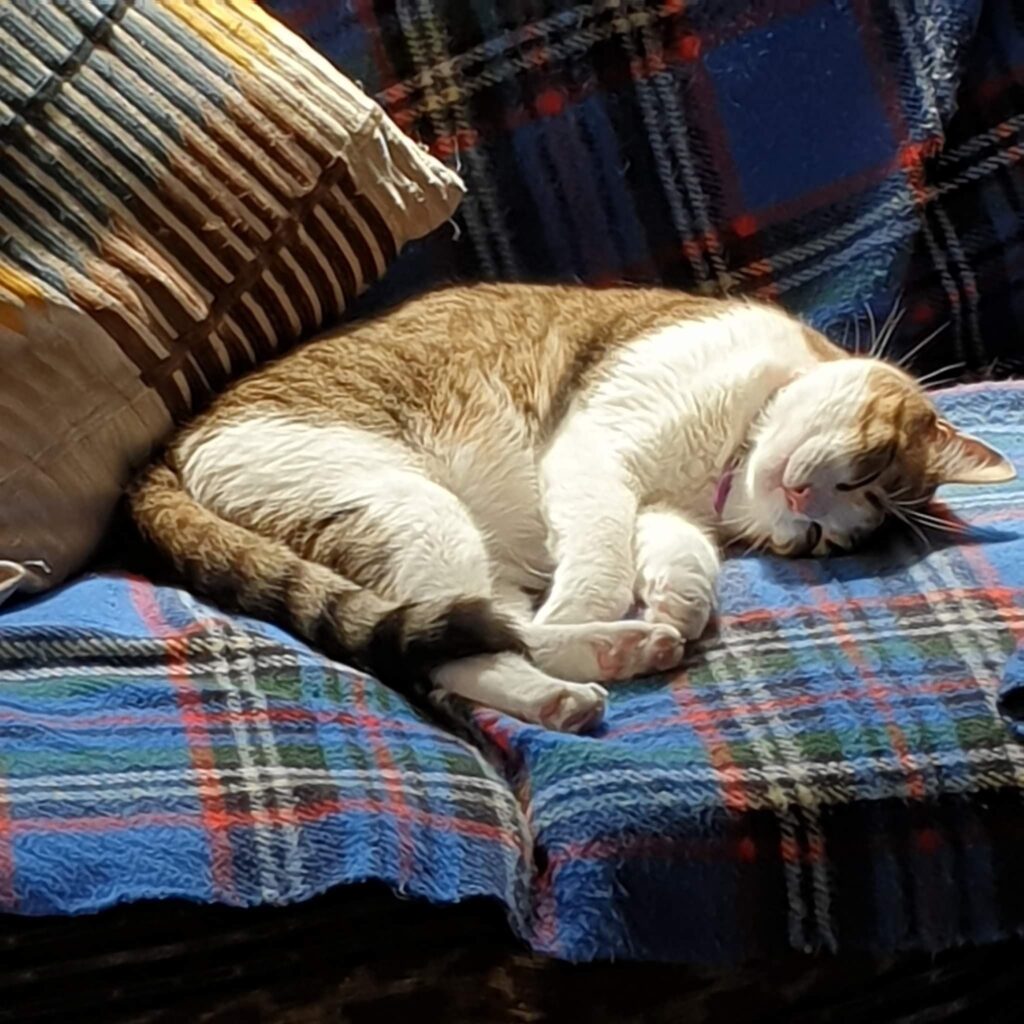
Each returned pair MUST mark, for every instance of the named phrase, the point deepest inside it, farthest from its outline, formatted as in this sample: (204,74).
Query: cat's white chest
(680,401)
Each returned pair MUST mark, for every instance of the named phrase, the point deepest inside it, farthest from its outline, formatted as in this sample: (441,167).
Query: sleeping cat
(473,492)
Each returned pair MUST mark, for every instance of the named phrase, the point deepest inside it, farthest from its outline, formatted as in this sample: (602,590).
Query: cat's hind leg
(510,683)
(362,506)
(437,551)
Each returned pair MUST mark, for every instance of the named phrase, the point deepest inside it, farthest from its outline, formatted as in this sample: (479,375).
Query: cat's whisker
(938,373)
(921,513)
(904,361)
(896,312)
(733,520)
(846,334)
(897,500)
(940,526)
(889,326)
(942,382)
(958,531)
(895,497)
(935,523)
(739,526)
(880,348)
(917,504)
(757,544)
(935,528)
(888,330)
(902,517)
(917,531)
(873,329)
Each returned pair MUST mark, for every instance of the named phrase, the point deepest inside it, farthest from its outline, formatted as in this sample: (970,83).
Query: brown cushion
(184,189)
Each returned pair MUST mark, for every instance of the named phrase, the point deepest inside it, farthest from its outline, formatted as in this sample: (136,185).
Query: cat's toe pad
(636,649)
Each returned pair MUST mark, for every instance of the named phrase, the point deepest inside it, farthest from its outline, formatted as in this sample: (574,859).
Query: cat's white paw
(680,600)
(573,707)
(606,651)
(624,650)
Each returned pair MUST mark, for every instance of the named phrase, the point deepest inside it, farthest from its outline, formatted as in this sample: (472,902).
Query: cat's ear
(962,459)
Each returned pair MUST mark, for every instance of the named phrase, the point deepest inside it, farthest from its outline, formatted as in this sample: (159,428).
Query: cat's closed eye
(870,467)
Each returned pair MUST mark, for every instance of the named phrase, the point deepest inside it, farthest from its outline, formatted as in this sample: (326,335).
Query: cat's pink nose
(797,498)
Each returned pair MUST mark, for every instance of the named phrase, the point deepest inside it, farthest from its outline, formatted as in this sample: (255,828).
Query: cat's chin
(797,547)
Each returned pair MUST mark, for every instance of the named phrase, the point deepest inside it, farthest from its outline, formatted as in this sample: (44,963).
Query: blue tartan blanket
(151,747)
(831,771)
(820,153)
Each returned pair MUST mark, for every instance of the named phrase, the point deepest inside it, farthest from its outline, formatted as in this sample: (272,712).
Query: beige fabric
(181,195)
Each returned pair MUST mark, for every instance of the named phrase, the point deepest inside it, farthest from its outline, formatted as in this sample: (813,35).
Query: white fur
(660,428)
(267,464)
(606,651)
(811,436)
(255,472)
(677,565)
(511,684)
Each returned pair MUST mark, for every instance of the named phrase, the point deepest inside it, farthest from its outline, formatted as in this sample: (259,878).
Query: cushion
(185,188)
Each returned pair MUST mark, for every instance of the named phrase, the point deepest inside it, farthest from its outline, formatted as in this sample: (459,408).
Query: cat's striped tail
(243,570)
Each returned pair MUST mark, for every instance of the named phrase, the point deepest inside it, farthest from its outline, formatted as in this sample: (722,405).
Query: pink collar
(723,488)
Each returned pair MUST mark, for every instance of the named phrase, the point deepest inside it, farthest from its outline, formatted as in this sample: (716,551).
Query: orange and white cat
(472,492)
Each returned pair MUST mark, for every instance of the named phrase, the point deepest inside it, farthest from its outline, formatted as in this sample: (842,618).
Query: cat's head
(845,445)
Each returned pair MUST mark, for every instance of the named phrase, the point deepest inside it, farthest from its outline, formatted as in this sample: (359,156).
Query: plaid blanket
(830,771)
(805,151)
(1011,693)
(153,747)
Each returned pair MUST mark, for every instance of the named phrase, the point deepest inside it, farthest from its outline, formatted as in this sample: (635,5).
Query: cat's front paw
(684,602)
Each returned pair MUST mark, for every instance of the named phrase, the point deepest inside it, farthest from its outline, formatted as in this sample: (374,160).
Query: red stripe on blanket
(219,823)
(703,715)
(196,736)
(879,694)
(8,895)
